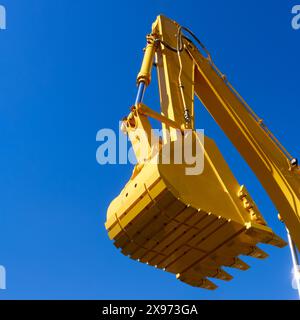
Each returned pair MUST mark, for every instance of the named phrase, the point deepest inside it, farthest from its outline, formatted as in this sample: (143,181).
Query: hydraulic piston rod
(144,76)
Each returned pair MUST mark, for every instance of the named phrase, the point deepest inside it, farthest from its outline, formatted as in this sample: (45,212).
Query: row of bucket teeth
(189,242)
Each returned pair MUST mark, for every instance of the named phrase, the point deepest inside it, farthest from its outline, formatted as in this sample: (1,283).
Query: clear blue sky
(68,69)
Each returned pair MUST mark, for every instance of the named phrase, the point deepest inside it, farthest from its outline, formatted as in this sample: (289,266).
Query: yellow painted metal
(192,225)
(145,72)
(187,225)
(257,146)
(144,110)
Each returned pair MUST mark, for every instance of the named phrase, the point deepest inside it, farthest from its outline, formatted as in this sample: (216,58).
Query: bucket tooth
(264,234)
(207,284)
(223,275)
(257,253)
(277,242)
(197,282)
(240,264)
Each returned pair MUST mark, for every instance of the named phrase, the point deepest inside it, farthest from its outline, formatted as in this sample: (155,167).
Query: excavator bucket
(189,225)
(193,225)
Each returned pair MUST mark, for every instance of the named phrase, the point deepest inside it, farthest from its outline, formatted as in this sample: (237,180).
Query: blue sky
(68,69)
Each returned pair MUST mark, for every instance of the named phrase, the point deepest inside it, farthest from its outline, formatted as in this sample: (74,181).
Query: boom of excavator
(194,224)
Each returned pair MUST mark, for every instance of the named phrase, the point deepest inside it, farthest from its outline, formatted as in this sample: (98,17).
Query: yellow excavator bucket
(189,225)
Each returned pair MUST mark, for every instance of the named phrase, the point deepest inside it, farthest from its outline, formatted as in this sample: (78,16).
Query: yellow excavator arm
(277,171)
(192,225)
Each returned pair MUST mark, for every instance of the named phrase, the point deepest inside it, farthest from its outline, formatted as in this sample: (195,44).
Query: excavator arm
(192,225)
(275,168)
